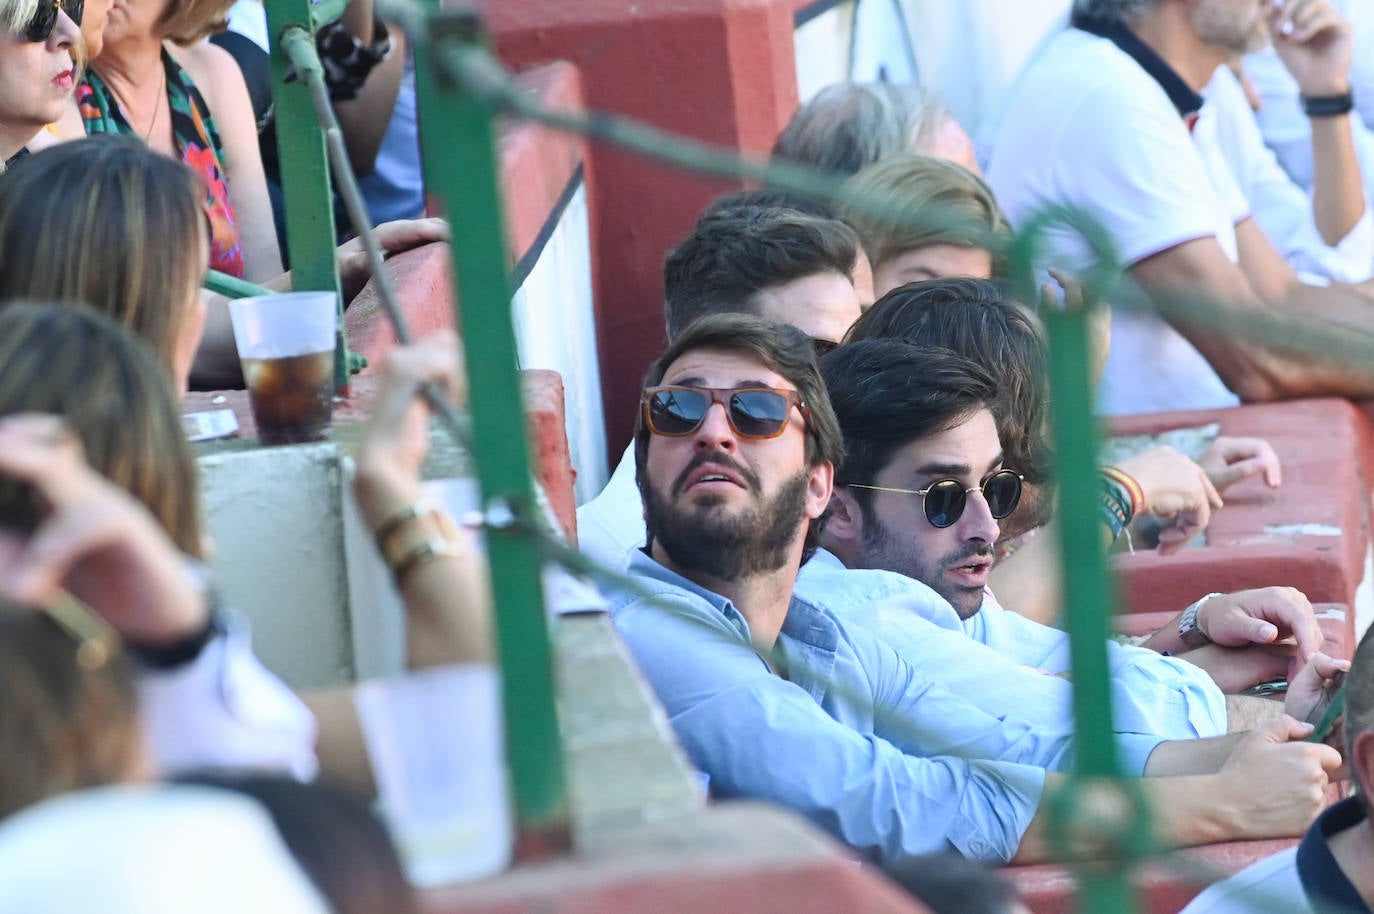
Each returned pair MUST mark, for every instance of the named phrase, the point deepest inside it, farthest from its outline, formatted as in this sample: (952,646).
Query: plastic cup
(435,741)
(286,348)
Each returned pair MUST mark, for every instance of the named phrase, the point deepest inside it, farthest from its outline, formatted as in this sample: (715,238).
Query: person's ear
(1361,761)
(845,524)
(820,483)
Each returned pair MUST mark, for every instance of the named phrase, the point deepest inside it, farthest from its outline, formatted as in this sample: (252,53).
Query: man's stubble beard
(1214,29)
(888,552)
(729,547)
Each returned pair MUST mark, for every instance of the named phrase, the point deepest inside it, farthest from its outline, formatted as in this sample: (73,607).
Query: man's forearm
(1183,757)
(1337,189)
(1185,811)
(1246,712)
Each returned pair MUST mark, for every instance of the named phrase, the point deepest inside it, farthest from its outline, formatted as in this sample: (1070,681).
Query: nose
(715,433)
(65,32)
(977,524)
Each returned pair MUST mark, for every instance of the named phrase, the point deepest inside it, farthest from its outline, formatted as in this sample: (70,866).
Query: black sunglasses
(945,498)
(44,18)
(753,412)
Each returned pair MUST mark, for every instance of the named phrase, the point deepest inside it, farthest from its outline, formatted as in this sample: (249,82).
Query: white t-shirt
(1087,127)
(1282,209)
(610,527)
(1272,884)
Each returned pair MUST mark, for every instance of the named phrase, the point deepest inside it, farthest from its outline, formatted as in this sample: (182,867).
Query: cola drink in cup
(291,396)
(286,348)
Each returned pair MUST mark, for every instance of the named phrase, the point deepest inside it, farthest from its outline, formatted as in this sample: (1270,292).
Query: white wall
(555,329)
(967,51)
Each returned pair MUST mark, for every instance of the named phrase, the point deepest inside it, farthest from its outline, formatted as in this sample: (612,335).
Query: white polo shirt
(1088,127)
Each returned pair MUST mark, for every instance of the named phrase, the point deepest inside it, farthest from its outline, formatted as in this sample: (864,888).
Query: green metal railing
(461,89)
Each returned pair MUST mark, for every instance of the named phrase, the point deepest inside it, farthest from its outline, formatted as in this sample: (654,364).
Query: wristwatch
(1188,631)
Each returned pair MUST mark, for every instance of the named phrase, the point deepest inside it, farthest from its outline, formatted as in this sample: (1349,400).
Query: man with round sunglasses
(777,697)
(919,496)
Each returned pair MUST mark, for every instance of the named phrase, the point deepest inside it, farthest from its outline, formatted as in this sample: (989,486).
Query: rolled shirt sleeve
(1151,693)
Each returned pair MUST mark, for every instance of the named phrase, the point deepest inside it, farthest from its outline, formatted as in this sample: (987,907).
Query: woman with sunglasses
(156,80)
(36,68)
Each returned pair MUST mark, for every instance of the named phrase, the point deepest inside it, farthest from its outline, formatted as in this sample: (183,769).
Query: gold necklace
(157,107)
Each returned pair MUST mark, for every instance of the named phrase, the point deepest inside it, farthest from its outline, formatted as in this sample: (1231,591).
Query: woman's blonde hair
(65,725)
(928,201)
(108,222)
(15,14)
(73,362)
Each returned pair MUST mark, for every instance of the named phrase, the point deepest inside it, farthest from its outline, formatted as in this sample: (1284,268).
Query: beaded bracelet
(1114,506)
(1130,485)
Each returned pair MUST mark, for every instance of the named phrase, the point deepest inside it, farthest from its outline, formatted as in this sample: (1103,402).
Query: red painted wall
(717,70)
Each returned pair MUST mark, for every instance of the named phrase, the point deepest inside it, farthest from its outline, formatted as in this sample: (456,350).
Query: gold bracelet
(421,554)
(439,527)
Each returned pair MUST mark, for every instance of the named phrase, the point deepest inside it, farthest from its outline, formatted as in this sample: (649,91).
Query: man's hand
(1229,460)
(1175,489)
(393,237)
(94,540)
(1276,784)
(1315,44)
(1310,692)
(1262,616)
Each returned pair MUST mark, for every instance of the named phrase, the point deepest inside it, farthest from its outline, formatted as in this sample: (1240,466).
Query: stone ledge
(623,761)
(1310,533)
(1166,885)
(727,858)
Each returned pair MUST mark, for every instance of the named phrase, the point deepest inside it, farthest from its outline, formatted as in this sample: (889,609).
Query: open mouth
(714,477)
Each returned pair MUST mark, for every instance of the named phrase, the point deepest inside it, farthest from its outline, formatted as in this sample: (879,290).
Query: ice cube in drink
(291,396)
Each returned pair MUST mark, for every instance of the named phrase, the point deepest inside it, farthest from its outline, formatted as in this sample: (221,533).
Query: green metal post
(232,286)
(304,172)
(1087,591)
(457,135)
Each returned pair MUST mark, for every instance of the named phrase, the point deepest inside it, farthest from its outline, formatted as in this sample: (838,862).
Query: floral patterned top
(197,141)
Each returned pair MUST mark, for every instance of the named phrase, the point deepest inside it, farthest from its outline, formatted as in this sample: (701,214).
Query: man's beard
(730,547)
(1215,28)
(888,552)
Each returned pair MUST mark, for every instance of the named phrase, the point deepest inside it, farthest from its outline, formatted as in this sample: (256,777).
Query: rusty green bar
(461,170)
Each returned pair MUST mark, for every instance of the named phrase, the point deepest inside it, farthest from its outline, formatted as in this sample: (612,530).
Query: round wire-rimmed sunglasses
(753,412)
(945,498)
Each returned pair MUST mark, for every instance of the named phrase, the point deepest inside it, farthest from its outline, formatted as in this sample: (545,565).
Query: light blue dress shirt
(1152,694)
(863,744)
(925,631)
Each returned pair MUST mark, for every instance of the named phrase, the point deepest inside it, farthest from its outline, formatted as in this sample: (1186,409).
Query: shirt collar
(1181,95)
(23,151)
(1323,881)
(805,622)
